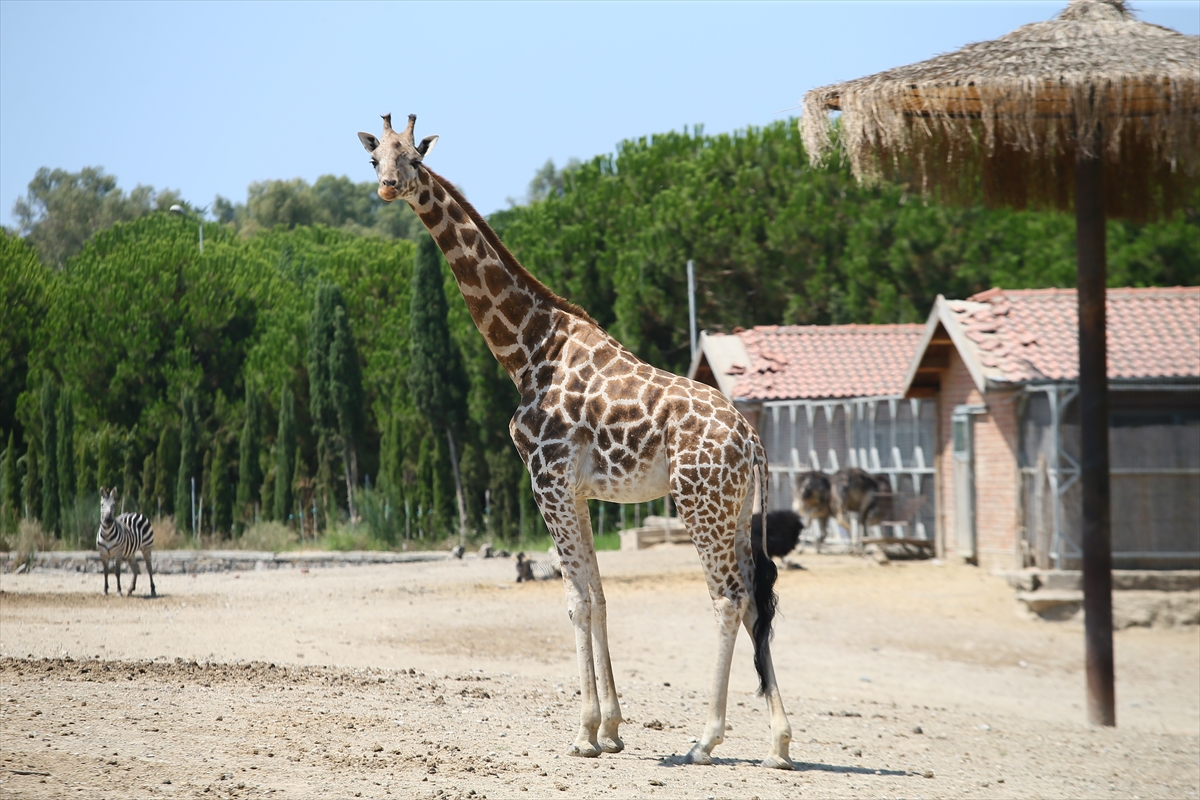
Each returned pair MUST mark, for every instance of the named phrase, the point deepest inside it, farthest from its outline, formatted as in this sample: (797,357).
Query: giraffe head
(396,157)
(108,503)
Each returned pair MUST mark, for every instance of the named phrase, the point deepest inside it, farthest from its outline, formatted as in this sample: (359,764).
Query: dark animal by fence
(854,497)
(811,500)
(783,531)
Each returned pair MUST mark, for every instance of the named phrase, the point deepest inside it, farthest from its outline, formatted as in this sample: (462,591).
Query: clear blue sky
(208,97)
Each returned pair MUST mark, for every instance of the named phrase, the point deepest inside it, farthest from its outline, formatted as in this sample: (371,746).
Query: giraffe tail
(765,574)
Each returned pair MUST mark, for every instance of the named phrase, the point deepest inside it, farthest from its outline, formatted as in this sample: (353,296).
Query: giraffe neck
(512,309)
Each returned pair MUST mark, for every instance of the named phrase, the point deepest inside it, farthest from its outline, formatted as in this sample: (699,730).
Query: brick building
(1002,368)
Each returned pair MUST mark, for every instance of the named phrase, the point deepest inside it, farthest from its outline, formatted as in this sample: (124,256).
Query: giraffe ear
(368,141)
(426,145)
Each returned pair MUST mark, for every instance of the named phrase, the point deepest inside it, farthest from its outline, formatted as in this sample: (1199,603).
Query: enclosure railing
(886,435)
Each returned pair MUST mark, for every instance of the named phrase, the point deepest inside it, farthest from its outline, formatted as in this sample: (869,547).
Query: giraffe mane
(507,258)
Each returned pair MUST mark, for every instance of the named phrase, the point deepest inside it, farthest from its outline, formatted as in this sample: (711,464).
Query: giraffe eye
(374,162)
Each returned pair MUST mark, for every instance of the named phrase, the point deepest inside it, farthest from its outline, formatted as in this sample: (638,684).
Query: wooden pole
(1093,418)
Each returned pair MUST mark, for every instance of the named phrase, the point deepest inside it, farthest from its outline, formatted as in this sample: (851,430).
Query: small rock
(857,752)
(928,774)
(656,782)
(917,729)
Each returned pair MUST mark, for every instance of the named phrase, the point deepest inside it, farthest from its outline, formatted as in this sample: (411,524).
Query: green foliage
(335,202)
(62,210)
(31,489)
(24,285)
(435,376)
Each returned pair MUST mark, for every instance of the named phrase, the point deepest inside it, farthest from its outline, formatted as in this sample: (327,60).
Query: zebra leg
(117,570)
(133,567)
(104,561)
(149,570)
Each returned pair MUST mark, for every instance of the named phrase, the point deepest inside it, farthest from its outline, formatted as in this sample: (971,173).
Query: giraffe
(594,421)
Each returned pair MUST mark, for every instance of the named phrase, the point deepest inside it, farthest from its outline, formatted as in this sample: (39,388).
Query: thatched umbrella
(1092,109)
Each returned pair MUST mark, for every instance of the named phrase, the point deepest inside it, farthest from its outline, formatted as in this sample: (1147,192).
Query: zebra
(121,538)
(529,570)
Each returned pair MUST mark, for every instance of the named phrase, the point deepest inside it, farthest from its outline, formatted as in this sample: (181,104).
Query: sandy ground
(447,679)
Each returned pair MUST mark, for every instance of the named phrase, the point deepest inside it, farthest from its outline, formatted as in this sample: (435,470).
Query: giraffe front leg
(579,609)
(608,737)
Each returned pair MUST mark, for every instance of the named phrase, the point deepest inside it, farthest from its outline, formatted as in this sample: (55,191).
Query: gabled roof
(1027,335)
(793,362)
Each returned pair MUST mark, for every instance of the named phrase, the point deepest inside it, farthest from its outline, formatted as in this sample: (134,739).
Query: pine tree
(285,456)
(249,470)
(166,462)
(51,518)
(66,452)
(187,464)
(436,375)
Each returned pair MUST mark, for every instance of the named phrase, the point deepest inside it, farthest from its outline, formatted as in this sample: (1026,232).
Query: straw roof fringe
(1094,78)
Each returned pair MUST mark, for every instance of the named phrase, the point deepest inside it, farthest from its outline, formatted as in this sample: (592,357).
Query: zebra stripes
(119,538)
(529,570)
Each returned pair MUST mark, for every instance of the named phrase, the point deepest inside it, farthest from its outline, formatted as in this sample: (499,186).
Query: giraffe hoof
(612,745)
(584,750)
(778,762)
(697,755)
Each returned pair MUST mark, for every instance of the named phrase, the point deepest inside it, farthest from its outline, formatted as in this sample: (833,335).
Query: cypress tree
(346,392)
(320,385)
(66,452)
(204,494)
(166,462)
(148,504)
(187,464)
(249,470)
(51,519)
(285,456)
(436,377)
(32,494)
(106,471)
(86,485)
(302,492)
(10,488)
(129,482)
(222,487)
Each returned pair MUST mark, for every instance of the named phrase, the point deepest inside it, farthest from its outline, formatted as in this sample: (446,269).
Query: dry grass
(30,540)
(166,535)
(272,536)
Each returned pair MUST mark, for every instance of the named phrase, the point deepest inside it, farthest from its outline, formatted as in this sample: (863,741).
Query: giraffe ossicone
(595,421)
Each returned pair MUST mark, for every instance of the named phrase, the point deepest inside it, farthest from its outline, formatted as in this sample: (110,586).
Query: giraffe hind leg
(608,735)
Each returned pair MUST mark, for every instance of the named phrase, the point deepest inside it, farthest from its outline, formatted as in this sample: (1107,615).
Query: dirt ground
(448,680)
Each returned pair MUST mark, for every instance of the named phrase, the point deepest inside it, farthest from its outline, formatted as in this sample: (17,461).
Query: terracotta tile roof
(811,361)
(1032,334)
